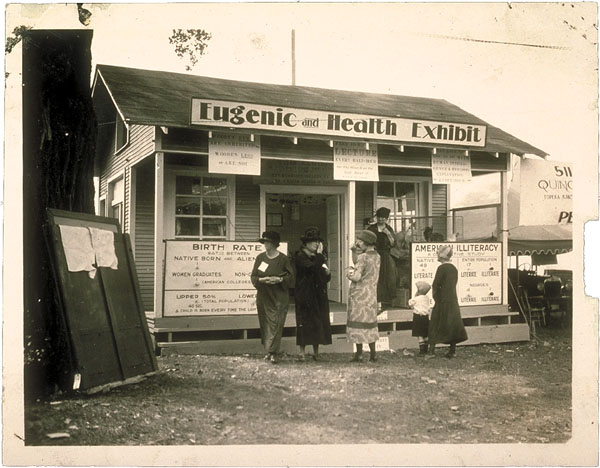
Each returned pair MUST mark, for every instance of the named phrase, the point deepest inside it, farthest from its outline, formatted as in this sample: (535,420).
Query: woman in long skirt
(272,276)
(362,306)
(312,304)
(386,239)
(446,325)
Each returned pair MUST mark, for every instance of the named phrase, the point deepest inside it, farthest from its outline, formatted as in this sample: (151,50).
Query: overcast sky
(526,68)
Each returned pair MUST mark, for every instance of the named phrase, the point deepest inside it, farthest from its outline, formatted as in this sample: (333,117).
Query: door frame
(345,210)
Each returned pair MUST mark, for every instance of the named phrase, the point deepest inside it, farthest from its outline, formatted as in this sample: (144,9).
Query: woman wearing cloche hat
(272,276)
(386,239)
(362,306)
(312,304)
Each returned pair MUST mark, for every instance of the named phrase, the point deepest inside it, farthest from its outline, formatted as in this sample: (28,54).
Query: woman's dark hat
(270,236)
(311,234)
(383,212)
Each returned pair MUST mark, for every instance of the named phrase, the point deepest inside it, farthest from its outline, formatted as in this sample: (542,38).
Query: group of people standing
(372,287)
(273,275)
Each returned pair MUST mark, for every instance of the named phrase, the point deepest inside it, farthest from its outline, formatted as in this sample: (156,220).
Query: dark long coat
(386,284)
(312,305)
(446,325)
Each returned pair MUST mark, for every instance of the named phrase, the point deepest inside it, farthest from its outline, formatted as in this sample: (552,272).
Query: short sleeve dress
(272,300)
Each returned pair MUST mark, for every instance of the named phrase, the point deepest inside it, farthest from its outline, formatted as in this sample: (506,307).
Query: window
(121,133)
(116,194)
(401,198)
(201,207)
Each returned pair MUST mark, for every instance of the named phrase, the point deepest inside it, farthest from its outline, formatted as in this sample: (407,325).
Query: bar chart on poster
(210,277)
(479,268)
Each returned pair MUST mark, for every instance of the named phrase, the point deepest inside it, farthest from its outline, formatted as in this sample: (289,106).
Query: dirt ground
(509,393)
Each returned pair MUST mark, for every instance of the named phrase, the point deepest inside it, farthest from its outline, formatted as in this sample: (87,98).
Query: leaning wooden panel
(105,322)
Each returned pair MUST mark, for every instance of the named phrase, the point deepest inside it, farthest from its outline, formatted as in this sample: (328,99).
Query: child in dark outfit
(421,306)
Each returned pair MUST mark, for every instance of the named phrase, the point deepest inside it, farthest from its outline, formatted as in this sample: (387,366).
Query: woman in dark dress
(446,325)
(386,239)
(312,304)
(272,276)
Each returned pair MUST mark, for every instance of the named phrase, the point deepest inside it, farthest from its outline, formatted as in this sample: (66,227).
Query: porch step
(395,340)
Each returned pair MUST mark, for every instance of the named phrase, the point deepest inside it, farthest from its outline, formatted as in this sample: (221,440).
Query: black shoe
(356,358)
(450,355)
(373,358)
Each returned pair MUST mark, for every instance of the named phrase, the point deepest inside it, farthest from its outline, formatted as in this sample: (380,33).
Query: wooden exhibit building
(215,162)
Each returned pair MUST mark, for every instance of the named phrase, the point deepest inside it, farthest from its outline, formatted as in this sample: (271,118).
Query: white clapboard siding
(144,233)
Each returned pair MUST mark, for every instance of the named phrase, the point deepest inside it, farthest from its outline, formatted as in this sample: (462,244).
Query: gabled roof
(164,98)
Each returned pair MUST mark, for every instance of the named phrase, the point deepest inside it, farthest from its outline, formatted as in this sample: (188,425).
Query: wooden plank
(140,304)
(397,339)
(337,317)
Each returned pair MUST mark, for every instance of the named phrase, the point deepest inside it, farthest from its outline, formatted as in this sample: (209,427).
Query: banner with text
(546,192)
(233,114)
(233,153)
(479,268)
(353,161)
(210,277)
(450,167)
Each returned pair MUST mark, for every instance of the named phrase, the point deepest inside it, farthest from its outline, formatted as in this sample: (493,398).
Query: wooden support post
(504,233)
(350,216)
(159,248)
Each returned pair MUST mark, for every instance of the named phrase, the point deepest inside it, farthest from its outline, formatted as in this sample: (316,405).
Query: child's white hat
(423,287)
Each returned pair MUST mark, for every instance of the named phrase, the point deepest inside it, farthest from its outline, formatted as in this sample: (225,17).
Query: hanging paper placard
(233,153)
(450,167)
(353,161)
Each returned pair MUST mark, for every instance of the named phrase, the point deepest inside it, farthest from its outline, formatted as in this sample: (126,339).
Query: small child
(421,305)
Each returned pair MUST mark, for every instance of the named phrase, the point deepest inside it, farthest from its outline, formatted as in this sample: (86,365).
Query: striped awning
(528,240)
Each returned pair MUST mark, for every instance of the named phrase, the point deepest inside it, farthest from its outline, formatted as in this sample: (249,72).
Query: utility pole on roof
(293,57)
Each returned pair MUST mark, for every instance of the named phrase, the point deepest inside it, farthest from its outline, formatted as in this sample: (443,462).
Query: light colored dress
(362,306)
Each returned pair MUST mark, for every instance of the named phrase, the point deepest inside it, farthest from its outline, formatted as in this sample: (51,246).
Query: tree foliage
(17,35)
(190,43)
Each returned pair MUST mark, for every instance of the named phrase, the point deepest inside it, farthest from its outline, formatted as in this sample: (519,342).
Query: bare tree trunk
(59,139)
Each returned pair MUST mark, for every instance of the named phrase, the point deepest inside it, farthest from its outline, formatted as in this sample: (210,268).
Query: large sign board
(546,192)
(353,161)
(234,153)
(210,277)
(233,114)
(479,268)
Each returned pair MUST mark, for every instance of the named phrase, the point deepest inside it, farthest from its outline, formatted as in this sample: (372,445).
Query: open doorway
(291,213)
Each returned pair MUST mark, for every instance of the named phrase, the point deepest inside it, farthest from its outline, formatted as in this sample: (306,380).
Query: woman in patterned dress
(362,306)
(272,276)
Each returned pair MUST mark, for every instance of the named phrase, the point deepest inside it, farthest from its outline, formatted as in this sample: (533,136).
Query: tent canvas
(528,240)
